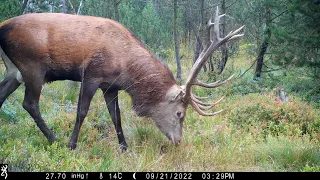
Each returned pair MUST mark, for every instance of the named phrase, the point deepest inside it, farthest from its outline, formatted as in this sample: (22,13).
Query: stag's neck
(149,82)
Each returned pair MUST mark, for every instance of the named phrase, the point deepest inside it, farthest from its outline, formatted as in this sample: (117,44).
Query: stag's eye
(178,114)
(180,117)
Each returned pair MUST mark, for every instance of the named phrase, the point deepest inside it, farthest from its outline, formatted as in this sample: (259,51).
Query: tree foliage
(294,29)
(297,36)
(9,8)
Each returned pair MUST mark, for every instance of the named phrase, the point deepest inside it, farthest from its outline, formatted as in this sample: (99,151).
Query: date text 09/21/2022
(187,176)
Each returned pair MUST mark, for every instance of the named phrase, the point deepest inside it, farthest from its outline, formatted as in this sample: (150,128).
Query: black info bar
(158,175)
(6,174)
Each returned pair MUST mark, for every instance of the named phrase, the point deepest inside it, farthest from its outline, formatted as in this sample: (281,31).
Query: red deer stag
(101,54)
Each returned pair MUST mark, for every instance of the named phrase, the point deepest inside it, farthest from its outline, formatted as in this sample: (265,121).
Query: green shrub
(264,115)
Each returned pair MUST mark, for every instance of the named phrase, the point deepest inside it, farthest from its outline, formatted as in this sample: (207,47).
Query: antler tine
(234,34)
(199,102)
(197,108)
(222,15)
(212,85)
(206,106)
(198,97)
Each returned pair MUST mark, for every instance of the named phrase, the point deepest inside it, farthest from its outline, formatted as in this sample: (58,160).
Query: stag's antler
(190,98)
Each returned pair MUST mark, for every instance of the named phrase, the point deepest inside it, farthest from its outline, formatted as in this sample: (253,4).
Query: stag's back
(63,44)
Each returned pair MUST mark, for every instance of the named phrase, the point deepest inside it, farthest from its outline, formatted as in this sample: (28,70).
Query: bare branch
(231,4)
(280,14)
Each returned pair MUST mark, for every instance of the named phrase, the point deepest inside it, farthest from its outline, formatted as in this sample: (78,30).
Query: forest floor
(256,132)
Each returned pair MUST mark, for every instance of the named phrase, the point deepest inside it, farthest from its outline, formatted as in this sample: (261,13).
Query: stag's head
(170,113)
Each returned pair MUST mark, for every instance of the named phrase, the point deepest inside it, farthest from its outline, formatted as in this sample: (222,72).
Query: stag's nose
(175,141)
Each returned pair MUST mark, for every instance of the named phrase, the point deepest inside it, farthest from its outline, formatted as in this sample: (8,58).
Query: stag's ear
(175,94)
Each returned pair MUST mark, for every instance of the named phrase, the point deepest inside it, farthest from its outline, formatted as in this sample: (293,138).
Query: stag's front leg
(87,91)
(111,98)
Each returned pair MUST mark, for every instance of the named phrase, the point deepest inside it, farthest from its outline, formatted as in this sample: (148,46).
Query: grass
(254,133)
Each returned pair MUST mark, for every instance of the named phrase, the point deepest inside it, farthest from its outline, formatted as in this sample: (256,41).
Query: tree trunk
(189,40)
(224,49)
(186,27)
(79,8)
(109,14)
(24,5)
(51,6)
(260,57)
(211,65)
(63,6)
(264,45)
(116,9)
(224,58)
(201,12)
(203,29)
(176,40)
(197,49)
(197,44)
(156,6)
(71,5)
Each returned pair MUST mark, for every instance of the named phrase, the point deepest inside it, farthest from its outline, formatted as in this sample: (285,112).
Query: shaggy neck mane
(151,81)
